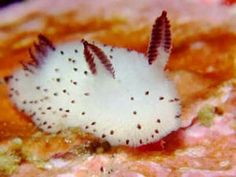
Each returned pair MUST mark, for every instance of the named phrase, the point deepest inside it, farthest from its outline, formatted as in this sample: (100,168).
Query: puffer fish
(119,95)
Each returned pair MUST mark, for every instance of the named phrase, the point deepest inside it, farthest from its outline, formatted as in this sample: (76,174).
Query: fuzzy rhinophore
(119,95)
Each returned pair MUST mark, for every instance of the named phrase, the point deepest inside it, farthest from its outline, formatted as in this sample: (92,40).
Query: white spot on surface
(198,151)
(67,175)
(197,45)
(56,163)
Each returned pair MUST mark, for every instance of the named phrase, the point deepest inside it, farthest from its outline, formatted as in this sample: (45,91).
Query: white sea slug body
(121,96)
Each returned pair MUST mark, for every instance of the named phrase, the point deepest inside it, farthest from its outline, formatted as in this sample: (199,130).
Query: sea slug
(116,94)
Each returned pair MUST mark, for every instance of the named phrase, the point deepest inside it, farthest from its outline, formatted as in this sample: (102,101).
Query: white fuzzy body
(140,94)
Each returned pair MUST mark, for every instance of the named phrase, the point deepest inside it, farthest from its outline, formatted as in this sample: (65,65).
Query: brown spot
(127,142)
(111,132)
(17,93)
(219,110)
(158,121)
(147,93)
(139,126)
(33,114)
(176,99)
(161,98)
(140,141)
(178,116)
(7,78)
(86,94)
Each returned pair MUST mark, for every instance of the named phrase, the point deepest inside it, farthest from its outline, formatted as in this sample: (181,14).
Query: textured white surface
(135,108)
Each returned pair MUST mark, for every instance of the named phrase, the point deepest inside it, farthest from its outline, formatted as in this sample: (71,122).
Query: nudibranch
(118,95)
